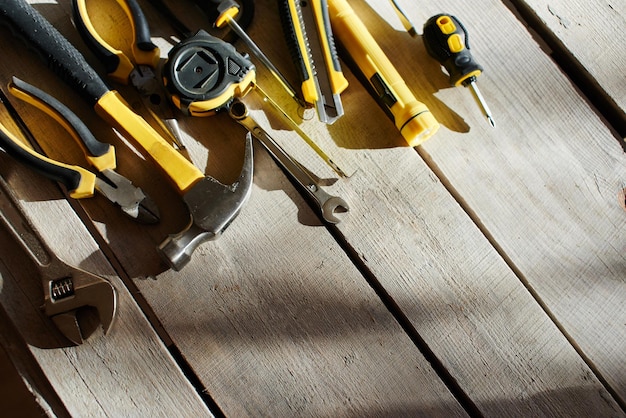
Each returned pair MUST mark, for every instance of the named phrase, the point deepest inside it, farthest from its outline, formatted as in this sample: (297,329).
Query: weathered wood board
(130,370)
(480,273)
(554,206)
(589,36)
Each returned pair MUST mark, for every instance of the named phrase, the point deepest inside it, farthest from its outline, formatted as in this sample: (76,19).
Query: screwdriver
(446,40)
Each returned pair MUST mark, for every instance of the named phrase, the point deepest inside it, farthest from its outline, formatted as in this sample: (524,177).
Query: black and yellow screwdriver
(446,40)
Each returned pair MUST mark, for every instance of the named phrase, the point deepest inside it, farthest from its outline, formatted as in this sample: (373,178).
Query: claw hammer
(212,205)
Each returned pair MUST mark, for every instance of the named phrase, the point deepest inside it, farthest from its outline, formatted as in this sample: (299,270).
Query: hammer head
(212,206)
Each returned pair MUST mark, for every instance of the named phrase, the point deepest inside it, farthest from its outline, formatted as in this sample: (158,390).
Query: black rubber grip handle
(458,61)
(60,55)
(70,178)
(142,30)
(296,49)
(92,145)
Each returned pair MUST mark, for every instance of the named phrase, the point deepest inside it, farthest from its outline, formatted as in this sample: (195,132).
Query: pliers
(79,182)
(140,70)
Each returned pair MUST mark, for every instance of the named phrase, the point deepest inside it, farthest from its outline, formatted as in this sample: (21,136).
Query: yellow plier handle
(60,55)
(79,182)
(99,154)
(117,64)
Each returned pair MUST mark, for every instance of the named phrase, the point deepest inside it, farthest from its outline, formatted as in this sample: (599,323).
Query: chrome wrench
(328,205)
(67,289)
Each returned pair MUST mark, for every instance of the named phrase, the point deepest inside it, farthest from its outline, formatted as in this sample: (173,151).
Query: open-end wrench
(208,218)
(328,205)
(67,289)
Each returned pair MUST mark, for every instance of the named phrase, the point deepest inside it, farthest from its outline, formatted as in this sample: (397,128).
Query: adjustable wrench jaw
(73,291)
(212,206)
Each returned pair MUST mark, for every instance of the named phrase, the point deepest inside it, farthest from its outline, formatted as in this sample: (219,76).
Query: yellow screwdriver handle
(412,117)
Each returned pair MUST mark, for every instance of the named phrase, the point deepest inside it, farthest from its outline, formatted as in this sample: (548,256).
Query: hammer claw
(212,206)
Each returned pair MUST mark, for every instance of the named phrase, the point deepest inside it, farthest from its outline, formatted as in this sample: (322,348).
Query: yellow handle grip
(103,161)
(118,65)
(112,108)
(79,182)
(411,117)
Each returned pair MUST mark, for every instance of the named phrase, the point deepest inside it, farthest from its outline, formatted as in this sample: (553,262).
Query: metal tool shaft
(327,203)
(264,60)
(27,237)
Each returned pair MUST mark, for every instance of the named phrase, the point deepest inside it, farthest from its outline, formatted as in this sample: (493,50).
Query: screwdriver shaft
(263,58)
(481,102)
(406,22)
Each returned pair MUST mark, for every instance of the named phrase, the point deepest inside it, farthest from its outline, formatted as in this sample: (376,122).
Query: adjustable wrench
(67,289)
(208,218)
(327,204)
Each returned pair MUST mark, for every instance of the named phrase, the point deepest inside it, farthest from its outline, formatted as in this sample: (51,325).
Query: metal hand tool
(446,40)
(67,289)
(307,27)
(213,207)
(227,11)
(79,182)
(206,75)
(143,75)
(412,118)
(203,74)
(65,60)
(328,205)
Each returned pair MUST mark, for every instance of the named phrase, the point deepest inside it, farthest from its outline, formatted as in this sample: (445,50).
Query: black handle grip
(291,25)
(142,30)
(60,55)
(44,100)
(70,178)
(446,40)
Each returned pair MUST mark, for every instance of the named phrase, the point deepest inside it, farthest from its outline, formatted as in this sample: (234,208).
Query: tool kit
(204,75)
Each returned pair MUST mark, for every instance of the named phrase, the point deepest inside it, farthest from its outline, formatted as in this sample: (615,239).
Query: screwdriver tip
(491,121)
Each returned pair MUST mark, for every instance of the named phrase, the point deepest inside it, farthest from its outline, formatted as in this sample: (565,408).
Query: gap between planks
(604,106)
(518,273)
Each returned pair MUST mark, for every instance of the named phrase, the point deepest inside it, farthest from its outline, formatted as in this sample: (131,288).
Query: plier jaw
(79,182)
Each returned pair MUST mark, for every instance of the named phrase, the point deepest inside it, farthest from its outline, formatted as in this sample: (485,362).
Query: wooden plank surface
(480,273)
(554,204)
(587,37)
(128,368)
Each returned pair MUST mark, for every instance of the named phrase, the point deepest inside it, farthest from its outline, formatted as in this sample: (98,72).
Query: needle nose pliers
(79,182)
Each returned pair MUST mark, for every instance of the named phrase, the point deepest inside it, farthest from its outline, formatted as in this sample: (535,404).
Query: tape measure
(203,74)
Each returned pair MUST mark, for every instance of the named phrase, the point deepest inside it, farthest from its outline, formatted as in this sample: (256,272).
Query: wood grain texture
(546,185)
(415,238)
(101,377)
(589,36)
(498,254)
